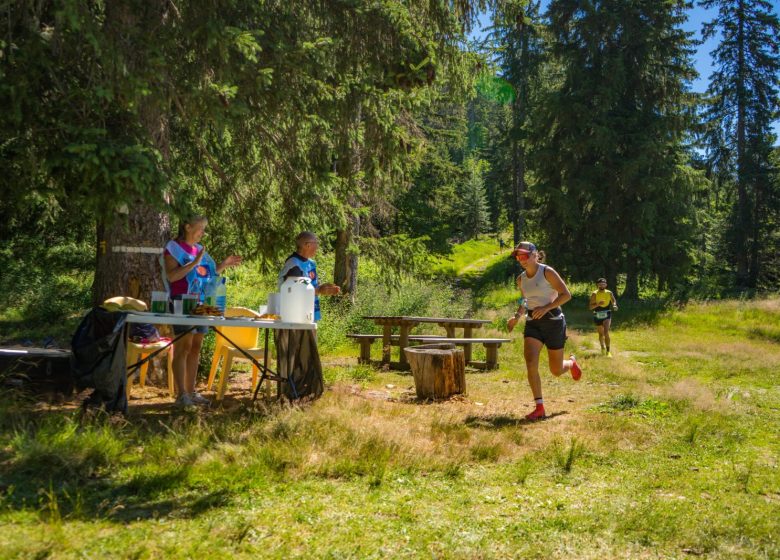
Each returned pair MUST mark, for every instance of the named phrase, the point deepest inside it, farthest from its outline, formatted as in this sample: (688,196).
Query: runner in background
(602,303)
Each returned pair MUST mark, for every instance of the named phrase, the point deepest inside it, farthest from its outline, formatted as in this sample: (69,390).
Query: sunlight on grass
(669,446)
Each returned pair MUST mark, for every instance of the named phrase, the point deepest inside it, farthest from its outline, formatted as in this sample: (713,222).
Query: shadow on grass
(57,463)
(499,422)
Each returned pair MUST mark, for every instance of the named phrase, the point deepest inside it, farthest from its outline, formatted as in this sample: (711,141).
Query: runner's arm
(559,286)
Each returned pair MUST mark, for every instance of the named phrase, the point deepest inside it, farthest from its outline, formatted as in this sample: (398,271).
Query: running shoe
(183,401)
(199,399)
(609,354)
(537,414)
(576,372)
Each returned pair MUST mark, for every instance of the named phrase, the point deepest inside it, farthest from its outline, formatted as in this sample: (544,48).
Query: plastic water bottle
(210,293)
(221,295)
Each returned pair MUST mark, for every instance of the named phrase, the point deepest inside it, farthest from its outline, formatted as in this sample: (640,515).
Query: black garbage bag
(298,361)
(98,359)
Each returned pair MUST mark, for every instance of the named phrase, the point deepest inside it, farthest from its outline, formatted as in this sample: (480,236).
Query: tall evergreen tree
(519,52)
(744,103)
(471,210)
(612,189)
(267,116)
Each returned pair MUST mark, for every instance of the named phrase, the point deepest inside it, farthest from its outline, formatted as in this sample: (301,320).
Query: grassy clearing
(669,450)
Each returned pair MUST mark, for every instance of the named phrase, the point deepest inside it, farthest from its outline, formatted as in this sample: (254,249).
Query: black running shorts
(601,314)
(551,331)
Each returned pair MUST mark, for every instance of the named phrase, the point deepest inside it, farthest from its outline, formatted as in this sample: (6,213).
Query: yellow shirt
(601,299)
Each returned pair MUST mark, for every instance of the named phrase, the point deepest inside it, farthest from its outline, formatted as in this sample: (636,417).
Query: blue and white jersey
(297,267)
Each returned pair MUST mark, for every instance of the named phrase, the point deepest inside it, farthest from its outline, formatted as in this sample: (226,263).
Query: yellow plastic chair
(136,351)
(246,338)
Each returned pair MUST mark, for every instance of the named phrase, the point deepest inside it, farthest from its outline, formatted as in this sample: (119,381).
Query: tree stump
(439,370)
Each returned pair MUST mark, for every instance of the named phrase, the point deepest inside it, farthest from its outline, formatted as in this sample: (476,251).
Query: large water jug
(296,300)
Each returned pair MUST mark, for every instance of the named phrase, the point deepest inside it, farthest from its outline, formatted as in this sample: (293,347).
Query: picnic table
(218,321)
(405,324)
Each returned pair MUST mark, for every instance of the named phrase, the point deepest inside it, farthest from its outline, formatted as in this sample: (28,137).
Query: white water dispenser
(296,300)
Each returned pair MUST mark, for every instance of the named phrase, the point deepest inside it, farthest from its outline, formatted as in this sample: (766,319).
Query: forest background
(381,127)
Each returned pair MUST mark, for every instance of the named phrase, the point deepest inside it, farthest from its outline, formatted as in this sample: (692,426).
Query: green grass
(669,450)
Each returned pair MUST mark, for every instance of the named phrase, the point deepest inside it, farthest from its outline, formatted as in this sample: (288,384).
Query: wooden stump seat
(439,370)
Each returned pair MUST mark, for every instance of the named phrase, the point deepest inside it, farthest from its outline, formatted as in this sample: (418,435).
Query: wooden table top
(400,319)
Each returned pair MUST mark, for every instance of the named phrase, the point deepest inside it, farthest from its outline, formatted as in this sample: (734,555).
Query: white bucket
(296,304)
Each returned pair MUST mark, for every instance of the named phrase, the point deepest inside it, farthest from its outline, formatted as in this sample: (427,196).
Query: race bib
(602,314)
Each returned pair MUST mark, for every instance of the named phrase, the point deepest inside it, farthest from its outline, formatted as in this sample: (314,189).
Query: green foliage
(614,191)
(742,104)
(634,404)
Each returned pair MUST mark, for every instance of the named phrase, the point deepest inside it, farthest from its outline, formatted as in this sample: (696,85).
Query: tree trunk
(121,268)
(631,290)
(439,370)
(129,242)
(345,266)
(743,208)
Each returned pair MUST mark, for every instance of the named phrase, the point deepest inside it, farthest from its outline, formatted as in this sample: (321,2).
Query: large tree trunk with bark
(129,242)
(346,261)
(128,250)
(345,268)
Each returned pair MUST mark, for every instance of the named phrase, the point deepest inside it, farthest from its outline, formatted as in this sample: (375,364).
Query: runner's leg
(532,347)
(601,336)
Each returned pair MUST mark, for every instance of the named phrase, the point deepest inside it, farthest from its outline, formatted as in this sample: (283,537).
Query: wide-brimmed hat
(524,248)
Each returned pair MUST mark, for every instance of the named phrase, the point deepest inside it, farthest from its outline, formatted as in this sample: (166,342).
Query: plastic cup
(189,303)
(178,307)
(273,303)
(159,302)
(262,310)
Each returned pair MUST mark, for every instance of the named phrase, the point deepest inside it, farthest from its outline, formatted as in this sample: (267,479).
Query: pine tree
(613,191)
(744,102)
(519,50)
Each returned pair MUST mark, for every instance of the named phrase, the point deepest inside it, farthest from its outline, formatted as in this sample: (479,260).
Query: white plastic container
(296,300)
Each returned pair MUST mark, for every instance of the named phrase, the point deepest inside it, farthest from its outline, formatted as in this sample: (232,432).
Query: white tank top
(537,290)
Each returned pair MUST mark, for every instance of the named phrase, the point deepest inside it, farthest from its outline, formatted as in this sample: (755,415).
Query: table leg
(386,330)
(491,360)
(467,347)
(403,342)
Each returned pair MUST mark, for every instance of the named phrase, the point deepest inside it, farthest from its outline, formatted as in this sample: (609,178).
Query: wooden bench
(366,340)
(491,346)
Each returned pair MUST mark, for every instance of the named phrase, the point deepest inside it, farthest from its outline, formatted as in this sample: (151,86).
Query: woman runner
(543,293)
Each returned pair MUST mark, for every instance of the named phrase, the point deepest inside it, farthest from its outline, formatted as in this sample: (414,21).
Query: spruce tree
(612,190)
(744,101)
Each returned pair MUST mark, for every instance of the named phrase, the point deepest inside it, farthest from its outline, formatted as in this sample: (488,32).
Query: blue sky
(702,60)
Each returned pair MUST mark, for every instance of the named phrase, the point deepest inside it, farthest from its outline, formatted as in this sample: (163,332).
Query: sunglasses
(522,256)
